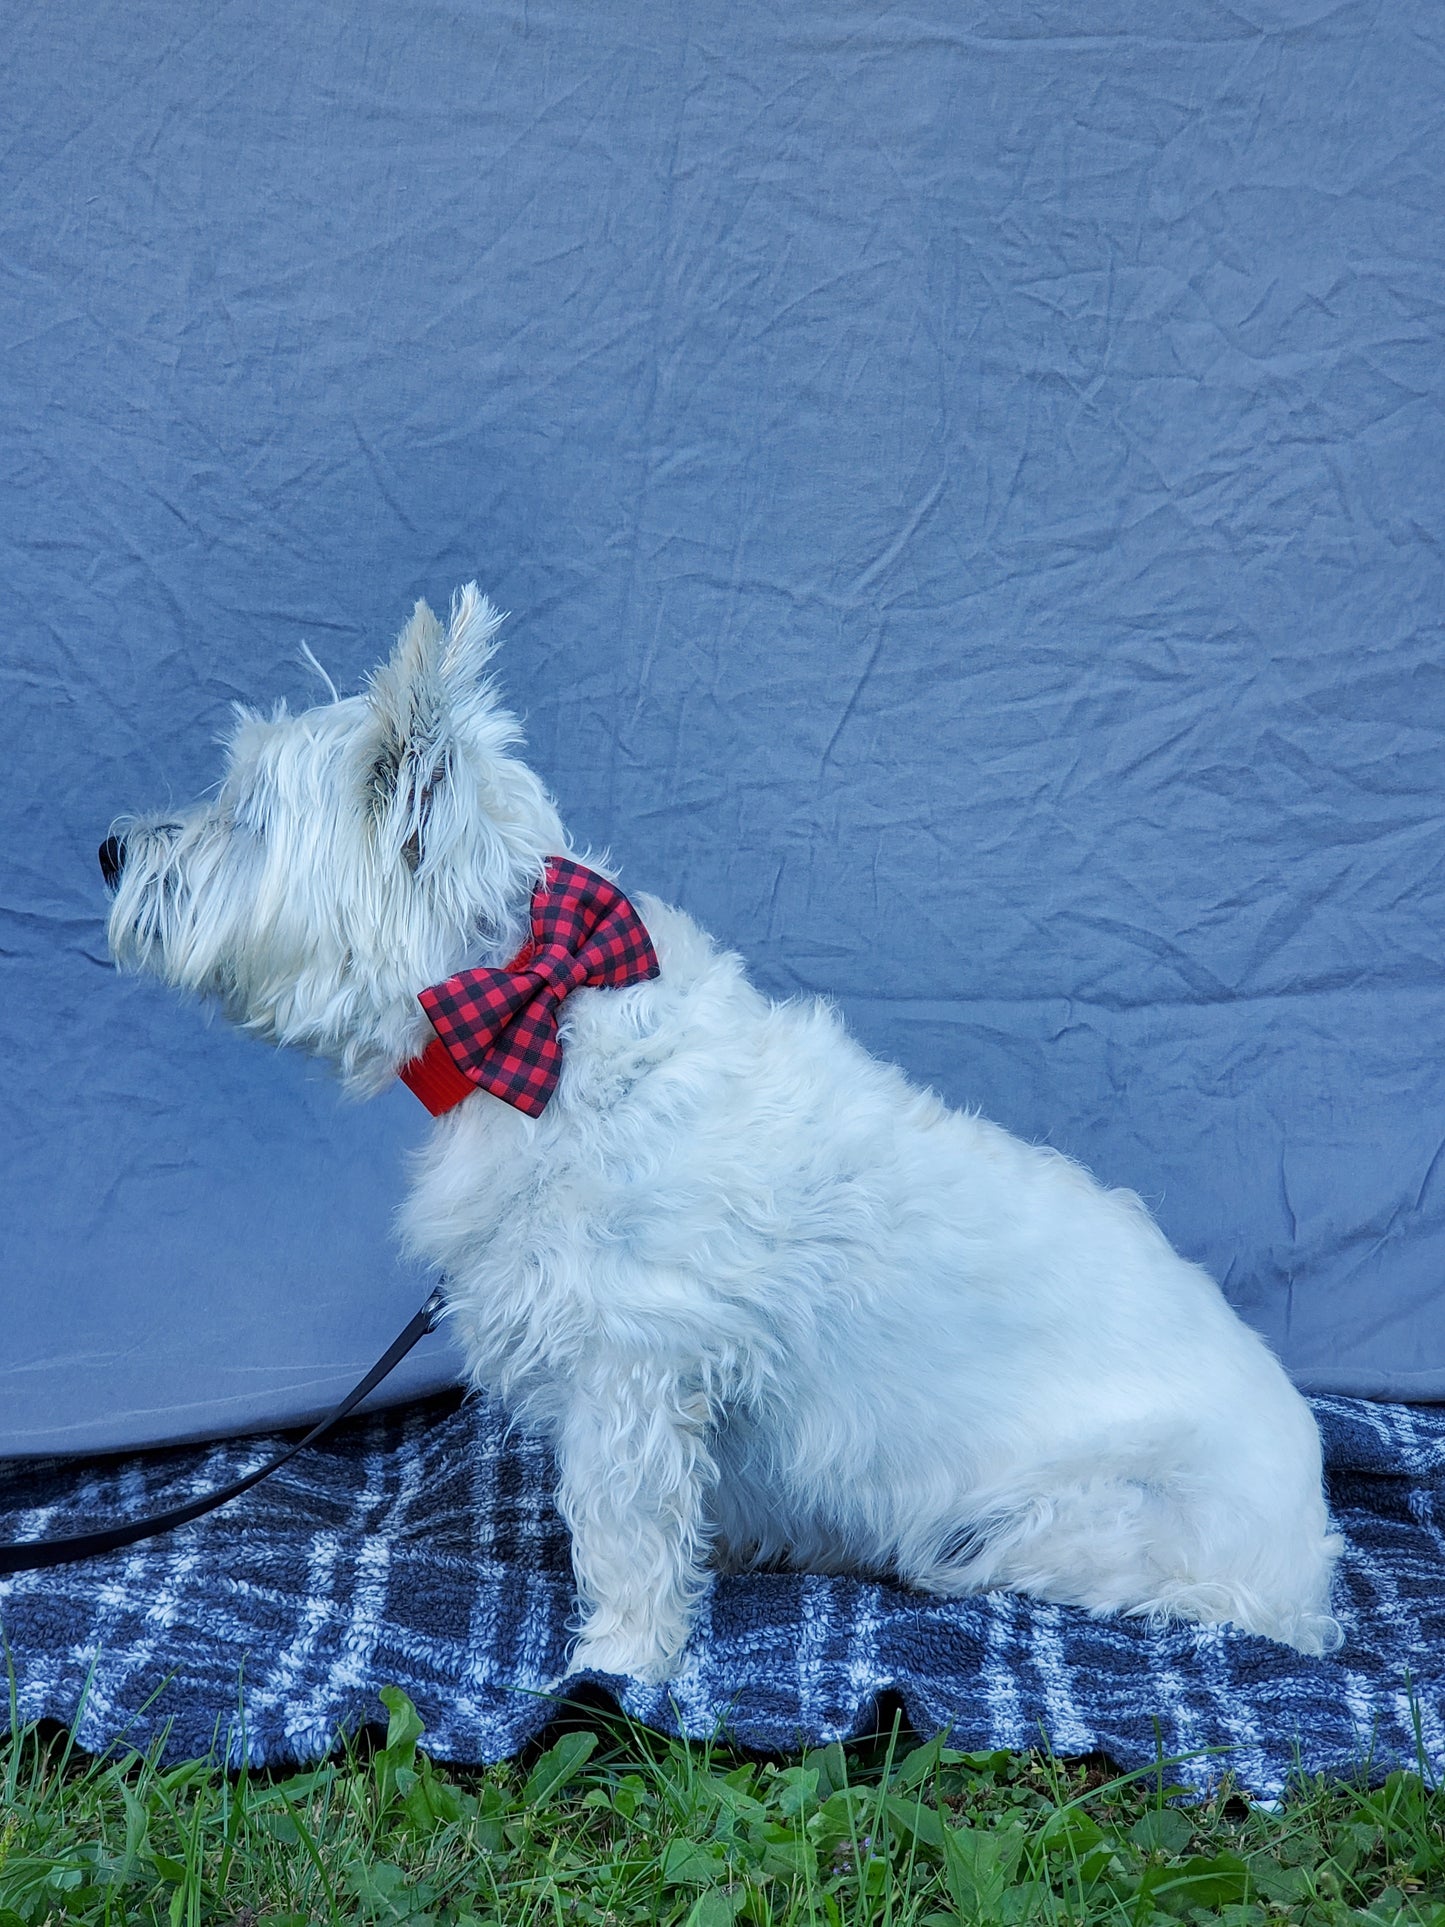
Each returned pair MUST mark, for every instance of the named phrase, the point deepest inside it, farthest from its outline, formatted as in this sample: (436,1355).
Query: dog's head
(353,854)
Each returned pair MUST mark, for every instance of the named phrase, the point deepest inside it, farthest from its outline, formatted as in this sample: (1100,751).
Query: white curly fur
(767,1300)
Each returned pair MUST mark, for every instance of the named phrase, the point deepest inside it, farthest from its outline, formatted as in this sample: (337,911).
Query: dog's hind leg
(1141,1546)
(632,1449)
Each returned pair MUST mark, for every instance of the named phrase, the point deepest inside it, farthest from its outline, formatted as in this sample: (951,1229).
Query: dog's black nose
(112,860)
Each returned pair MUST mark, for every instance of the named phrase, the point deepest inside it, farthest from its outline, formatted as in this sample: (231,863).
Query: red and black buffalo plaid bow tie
(496,1030)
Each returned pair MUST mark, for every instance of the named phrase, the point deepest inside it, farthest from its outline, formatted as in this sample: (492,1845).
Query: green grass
(612,1824)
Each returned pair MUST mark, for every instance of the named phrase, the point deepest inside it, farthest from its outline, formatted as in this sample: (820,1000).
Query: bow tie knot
(560,969)
(496,1030)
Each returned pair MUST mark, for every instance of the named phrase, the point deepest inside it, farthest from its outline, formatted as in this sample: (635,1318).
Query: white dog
(767,1300)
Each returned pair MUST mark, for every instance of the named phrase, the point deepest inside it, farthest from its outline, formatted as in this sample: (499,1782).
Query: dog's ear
(425,697)
(433,679)
(413,706)
(471,638)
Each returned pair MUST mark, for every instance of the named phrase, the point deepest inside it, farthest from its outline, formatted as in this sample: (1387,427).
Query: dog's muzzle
(112,861)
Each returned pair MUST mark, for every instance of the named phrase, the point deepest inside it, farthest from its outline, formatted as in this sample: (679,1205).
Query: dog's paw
(628,1657)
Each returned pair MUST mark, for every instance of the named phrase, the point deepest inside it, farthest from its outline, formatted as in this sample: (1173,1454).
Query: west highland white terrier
(767,1300)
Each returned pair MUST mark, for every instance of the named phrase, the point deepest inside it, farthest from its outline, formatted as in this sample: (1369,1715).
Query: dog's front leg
(632,1450)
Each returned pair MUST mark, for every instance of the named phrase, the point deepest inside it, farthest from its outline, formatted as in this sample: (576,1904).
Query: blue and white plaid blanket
(421,1550)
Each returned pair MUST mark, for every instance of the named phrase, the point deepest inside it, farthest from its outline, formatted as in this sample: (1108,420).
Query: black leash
(31,1555)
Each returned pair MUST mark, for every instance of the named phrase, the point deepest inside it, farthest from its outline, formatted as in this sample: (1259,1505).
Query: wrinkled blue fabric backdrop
(968,479)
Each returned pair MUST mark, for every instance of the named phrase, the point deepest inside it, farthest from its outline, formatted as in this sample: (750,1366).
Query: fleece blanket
(422,1550)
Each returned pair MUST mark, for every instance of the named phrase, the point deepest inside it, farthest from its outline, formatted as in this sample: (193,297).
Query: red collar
(436,1077)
